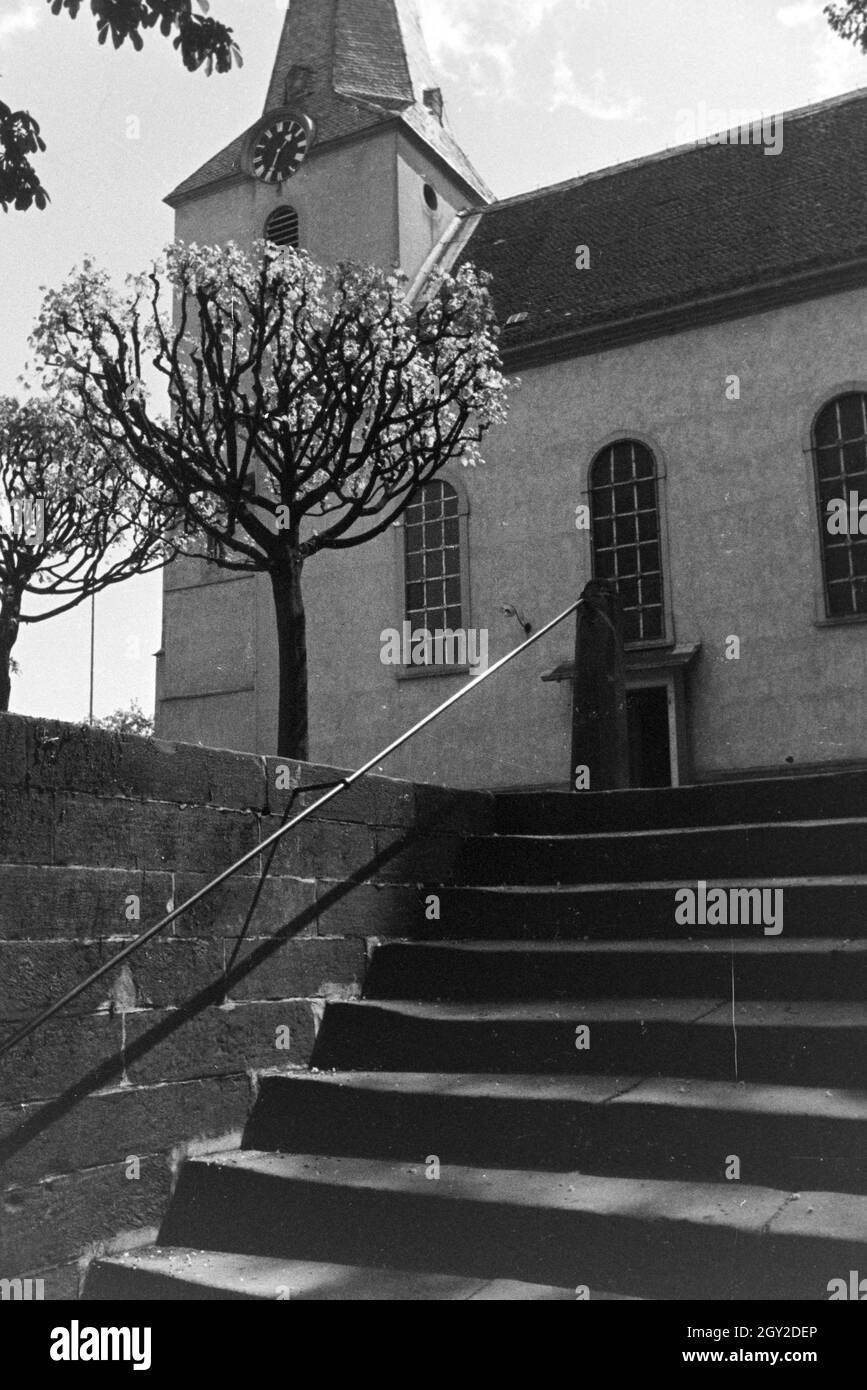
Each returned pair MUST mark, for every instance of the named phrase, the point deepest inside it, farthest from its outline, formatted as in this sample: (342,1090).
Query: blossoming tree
(72,522)
(306,407)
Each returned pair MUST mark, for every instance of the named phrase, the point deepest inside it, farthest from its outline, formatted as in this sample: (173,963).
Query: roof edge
(479,187)
(675,151)
(175,199)
(696,313)
(390,120)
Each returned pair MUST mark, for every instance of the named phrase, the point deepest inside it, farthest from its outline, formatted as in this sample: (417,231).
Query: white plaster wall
(743,560)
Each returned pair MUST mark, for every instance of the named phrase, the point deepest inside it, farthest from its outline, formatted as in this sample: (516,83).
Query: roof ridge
(421,68)
(675,151)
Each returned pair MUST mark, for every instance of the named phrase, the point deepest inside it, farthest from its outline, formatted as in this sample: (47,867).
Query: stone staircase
(454,1139)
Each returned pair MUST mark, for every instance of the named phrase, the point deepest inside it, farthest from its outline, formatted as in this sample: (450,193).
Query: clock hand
(287,162)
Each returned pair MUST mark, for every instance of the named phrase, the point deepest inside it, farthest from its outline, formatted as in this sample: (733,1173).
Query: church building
(689,331)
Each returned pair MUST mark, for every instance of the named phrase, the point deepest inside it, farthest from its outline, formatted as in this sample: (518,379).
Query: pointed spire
(368,50)
(370,55)
(306,50)
(350,65)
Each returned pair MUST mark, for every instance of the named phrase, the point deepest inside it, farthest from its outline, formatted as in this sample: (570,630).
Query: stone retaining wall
(98,834)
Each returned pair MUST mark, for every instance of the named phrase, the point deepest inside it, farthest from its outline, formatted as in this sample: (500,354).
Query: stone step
(789,1043)
(783,1136)
(818,797)
(766,968)
(644,1237)
(832,906)
(179,1274)
(740,853)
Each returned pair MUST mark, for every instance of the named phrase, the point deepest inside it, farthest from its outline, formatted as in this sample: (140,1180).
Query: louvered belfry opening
(281,229)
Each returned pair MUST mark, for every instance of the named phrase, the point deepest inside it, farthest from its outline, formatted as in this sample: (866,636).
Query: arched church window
(281,229)
(840,465)
(434,558)
(626,534)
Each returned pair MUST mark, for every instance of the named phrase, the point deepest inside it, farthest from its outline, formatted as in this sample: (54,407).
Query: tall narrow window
(840,457)
(624,504)
(433,563)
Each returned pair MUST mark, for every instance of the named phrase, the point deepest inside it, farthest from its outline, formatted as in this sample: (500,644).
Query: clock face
(280,150)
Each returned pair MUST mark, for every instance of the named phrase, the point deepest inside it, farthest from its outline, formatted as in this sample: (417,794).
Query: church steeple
(368,50)
(305,56)
(352,65)
(351,160)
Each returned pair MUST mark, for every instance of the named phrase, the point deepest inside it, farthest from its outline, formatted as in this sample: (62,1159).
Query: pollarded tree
(306,407)
(200,40)
(71,521)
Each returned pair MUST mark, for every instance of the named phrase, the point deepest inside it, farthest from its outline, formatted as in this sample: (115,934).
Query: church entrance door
(649,737)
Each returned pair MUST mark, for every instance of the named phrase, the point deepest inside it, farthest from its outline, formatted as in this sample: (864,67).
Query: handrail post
(600,736)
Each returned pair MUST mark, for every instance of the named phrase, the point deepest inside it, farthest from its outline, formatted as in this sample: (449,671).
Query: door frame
(668,669)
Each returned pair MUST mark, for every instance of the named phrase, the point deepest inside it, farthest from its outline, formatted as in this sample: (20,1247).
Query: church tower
(351,159)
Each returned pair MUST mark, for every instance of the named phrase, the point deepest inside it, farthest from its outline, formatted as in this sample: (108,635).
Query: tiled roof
(685,226)
(440,138)
(307,39)
(333,121)
(366,63)
(421,69)
(369,56)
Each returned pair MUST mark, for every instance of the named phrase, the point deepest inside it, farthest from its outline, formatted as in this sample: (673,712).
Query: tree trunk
(10,611)
(292,735)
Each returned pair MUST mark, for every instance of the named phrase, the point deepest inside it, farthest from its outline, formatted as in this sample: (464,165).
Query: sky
(537,91)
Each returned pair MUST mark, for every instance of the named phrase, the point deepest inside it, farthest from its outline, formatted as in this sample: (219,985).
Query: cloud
(597,102)
(446,29)
(479,40)
(838,67)
(446,23)
(801,12)
(532,13)
(24,18)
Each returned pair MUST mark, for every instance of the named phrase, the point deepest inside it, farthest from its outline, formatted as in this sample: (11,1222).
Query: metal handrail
(339,787)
